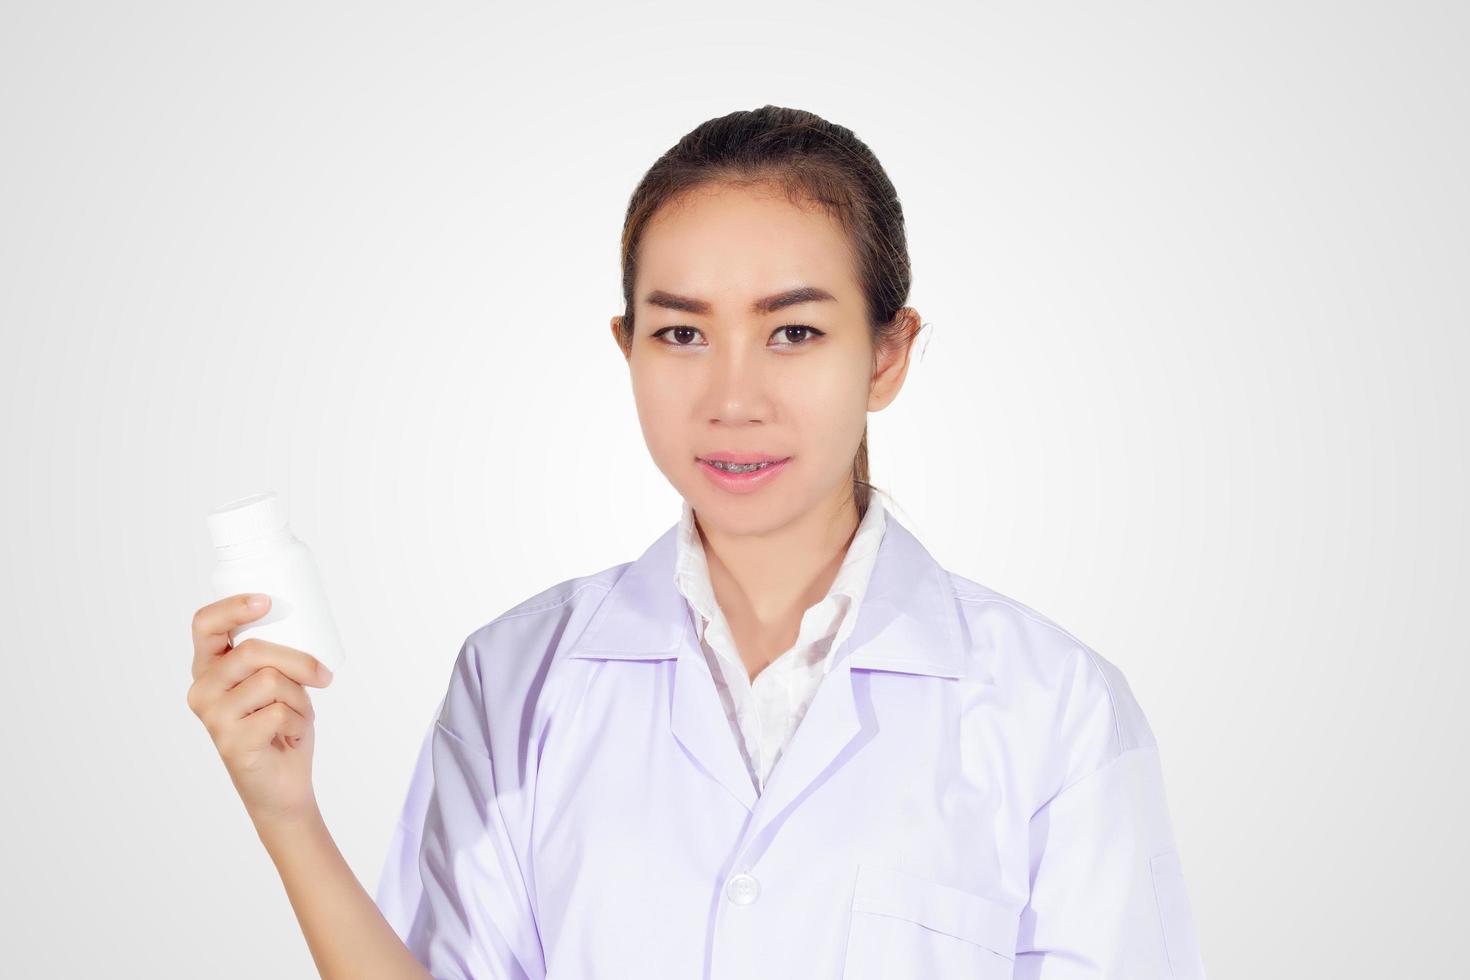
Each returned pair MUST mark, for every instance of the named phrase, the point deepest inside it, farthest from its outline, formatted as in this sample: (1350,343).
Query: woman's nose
(737,388)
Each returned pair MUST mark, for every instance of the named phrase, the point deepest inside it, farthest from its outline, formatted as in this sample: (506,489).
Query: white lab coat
(973,792)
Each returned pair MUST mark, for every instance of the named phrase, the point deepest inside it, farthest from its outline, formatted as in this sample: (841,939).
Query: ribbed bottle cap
(249,517)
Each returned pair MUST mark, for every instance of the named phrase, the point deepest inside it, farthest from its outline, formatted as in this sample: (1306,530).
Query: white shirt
(764,714)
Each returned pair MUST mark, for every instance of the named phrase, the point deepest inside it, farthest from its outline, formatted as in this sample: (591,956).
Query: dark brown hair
(815,162)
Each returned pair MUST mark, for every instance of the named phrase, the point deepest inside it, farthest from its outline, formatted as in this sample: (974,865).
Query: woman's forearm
(345,931)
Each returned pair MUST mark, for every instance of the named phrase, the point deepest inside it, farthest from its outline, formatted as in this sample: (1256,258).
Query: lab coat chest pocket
(906,926)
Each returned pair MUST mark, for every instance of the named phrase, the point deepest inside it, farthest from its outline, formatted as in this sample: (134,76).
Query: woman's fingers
(234,719)
(240,662)
(259,690)
(237,663)
(261,728)
(249,716)
(212,624)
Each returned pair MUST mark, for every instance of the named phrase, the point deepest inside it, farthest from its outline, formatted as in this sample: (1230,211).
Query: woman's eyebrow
(769,304)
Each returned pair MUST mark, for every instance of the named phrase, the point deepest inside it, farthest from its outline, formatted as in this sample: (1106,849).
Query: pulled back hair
(815,162)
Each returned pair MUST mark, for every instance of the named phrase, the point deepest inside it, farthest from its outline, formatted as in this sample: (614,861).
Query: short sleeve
(1107,899)
(452,884)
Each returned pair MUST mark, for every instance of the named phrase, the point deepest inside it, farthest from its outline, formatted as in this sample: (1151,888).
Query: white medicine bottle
(255,551)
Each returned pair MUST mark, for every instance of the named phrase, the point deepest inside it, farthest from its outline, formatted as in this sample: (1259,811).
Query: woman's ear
(617,332)
(891,359)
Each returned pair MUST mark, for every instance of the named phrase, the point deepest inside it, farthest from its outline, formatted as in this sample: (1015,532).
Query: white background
(1195,281)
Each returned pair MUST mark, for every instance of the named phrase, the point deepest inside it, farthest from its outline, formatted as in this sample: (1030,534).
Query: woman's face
(726,359)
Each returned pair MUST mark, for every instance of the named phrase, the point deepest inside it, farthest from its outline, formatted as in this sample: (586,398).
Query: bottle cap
(249,517)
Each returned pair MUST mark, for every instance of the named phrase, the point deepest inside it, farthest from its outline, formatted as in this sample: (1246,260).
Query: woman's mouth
(737,467)
(742,477)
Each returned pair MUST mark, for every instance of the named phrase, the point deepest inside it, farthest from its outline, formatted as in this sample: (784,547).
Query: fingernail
(257,601)
(324,673)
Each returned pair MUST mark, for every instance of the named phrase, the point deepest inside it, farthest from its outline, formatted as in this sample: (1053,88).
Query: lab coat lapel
(907,623)
(698,721)
(644,617)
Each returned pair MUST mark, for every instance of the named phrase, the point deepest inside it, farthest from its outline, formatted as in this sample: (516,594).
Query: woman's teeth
(737,467)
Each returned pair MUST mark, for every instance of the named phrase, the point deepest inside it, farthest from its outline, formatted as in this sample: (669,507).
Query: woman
(783,741)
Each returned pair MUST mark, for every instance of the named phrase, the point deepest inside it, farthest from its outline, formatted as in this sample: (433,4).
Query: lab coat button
(743,889)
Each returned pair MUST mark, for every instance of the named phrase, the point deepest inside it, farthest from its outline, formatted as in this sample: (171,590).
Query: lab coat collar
(907,622)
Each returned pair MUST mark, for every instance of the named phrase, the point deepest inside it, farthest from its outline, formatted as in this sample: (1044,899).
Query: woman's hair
(815,162)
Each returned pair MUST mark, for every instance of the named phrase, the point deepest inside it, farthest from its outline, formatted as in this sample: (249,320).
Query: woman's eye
(810,332)
(677,330)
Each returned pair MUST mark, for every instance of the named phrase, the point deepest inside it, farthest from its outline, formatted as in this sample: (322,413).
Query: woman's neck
(765,582)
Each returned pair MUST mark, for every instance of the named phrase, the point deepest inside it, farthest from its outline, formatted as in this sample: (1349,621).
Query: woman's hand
(252,701)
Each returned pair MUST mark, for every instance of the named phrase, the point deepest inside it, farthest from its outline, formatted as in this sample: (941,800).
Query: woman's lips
(743,482)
